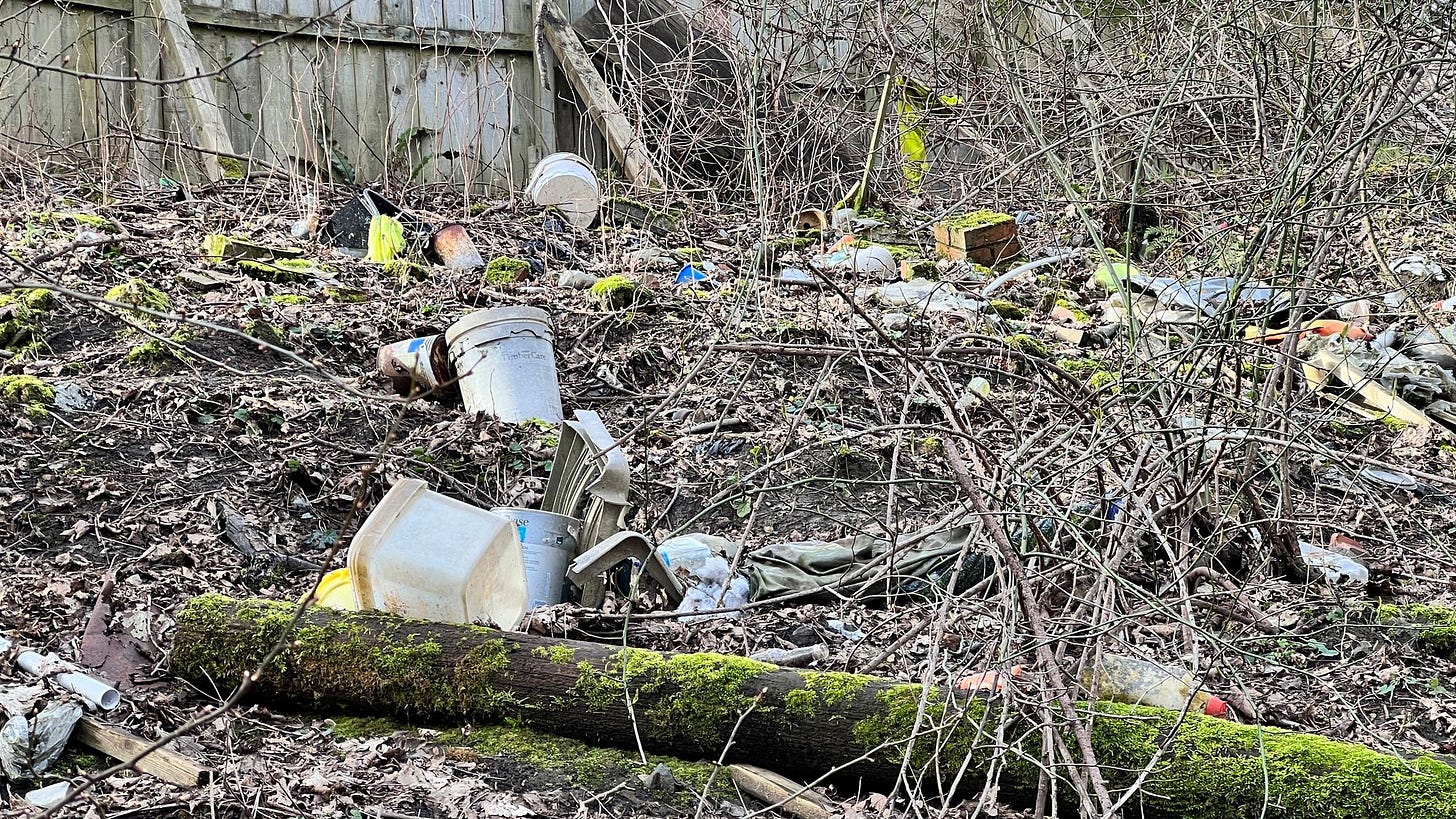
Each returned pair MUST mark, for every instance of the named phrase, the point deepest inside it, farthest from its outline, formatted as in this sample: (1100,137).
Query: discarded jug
(422,554)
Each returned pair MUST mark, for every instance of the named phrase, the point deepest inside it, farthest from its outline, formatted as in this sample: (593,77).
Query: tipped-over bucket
(548,543)
(565,182)
(506,365)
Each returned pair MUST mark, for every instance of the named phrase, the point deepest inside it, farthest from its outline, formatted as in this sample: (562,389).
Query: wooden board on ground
(165,764)
(1375,401)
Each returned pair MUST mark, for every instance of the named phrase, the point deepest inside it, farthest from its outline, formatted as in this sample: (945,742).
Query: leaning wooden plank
(792,721)
(594,92)
(184,60)
(163,763)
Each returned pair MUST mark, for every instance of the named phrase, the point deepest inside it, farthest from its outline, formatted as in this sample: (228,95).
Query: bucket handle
(512,334)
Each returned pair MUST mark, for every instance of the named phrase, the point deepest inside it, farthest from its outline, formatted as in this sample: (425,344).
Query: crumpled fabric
(845,566)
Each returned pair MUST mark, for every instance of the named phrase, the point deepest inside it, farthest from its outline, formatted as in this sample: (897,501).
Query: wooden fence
(419,89)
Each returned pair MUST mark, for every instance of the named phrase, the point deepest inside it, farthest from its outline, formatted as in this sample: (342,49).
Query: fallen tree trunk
(797,722)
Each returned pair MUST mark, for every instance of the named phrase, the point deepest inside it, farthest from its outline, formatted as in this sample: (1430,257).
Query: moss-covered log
(1433,628)
(797,722)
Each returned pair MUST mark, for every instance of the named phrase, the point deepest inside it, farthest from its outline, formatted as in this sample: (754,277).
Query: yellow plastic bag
(386,239)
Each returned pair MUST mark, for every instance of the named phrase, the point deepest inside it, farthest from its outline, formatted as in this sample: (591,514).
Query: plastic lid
(1216,708)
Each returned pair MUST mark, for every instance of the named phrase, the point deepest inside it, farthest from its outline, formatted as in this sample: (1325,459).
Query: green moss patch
(359,727)
(697,695)
(332,653)
(1007,309)
(20,319)
(156,351)
(1434,626)
(27,390)
(614,291)
(1206,768)
(282,271)
(592,767)
(977,219)
(406,270)
(1031,345)
(505,270)
(137,293)
(345,295)
(72,219)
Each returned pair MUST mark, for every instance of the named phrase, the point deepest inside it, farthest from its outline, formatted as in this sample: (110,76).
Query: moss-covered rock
(505,270)
(137,293)
(1031,345)
(1007,309)
(266,332)
(20,319)
(28,390)
(406,270)
(155,351)
(614,292)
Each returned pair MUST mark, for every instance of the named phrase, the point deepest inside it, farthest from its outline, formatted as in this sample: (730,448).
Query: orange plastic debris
(1324,327)
(987,680)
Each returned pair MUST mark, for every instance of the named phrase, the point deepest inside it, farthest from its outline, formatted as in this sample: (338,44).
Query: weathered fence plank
(384,86)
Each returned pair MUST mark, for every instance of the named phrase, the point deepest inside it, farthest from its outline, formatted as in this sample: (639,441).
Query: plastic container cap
(1216,708)
(336,591)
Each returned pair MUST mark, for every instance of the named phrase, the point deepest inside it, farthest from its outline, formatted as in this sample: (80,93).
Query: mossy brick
(983,236)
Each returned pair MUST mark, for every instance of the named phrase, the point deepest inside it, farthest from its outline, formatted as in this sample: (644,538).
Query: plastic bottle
(1335,567)
(1140,682)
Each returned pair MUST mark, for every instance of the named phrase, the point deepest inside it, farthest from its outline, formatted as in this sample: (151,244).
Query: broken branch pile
(802,722)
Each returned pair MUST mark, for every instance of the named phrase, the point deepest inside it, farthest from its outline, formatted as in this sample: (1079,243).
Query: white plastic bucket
(548,543)
(566,182)
(506,364)
(422,554)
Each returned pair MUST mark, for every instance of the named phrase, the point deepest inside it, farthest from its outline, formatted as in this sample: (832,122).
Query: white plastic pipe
(996,283)
(96,693)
